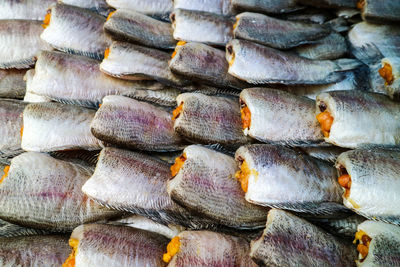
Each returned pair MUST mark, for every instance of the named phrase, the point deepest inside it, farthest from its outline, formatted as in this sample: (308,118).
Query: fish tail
(345,64)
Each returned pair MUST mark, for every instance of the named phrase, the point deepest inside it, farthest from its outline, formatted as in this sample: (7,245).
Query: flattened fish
(291,241)
(259,64)
(371,183)
(266,6)
(354,118)
(155,8)
(99,6)
(75,30)
(376,11)
(329,3)
(279,177)
(127,25)
(55,126)
(19,43)
(203,180)
(42,192)
(49,251)
(204,248)
(205,64)
(202,27)
(389,71)
(134,62)
(30,96)
(275,116)
(24,9)
(276,33)
(133,124)
(12,84)
(222,7)
(208,119)
(378,244)
(110,245)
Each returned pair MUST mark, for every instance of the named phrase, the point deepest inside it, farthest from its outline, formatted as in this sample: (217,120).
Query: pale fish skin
(12,84)
(360,118)
(134,124)
(76,30)
(221,7)
(20,42)
(276,33)
(134,62)
(377,83)
(206,184)
(205,64)
(110,245)
(384,245)
(49,251)
(281,117)
(156,8)
(209,119)
(30,96)
(259,64)
(286,179)
(132,26)
(45,193)
(100,6)
(376,172)
(202,27)
(24,9)
(380,11)
(205,248)
(54,126)
(266,6)
(292,241)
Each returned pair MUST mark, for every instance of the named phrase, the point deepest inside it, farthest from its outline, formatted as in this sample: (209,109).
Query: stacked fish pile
(199,133)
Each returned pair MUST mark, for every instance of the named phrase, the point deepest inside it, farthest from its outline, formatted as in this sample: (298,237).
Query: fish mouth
(47,18)
(344,180)
(180,43)
(244,173)
(386,72)
(177,166)
(325,119)
(363,244)
(230,54)
(70,261)
(245,115)
(177,112)
(173,247)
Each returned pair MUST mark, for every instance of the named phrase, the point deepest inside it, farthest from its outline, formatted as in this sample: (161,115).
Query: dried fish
(42,192)
(32,97)
(222,7)
(203,181)
(12,84)
(266,6)
(276,33)
(371,183)
(127,25)
(24,9)
(133,62)
(279,177)
(155,8)
(291,241)
(205,64)
(259,64)
(55,126)
(380,11)
(208,119)
(75,30)
(99,6)
(133,124)
(203,27)
(354,118)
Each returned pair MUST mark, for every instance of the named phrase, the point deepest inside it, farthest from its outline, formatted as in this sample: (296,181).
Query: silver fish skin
(329,3)
(76,30)
(360,118)
(32,97)
(49,251)
(209,119)
(12,230)
(141,222)
(259,64)
(12,84)
(110,245)
(266,6)
(391,85)
(292,241)
(341,227)
(202,27)
(276,33)
(134,124)
(205,183)
(45,193)
(384,245)
(329,154)
(380,11)
(99,6)
(155,8)
(280,117)
(205,248)
(283,178)
(371,42)
(138,184)
(20,43)
(75,79)
(221,7)
(134,62)
(333,46)
(127,25)
(54,126)
(376,172)
(205,64)
(309,15)
(24,9)
(11,125)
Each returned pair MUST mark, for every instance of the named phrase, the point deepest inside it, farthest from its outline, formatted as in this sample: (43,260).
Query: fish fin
(219,91)
(338,24)
(221,149)
(90,157)
(7,155)
(369,53)
(22,64)
(345,64)
(295,143)
(312,209)
(94,55)
(387,219)
(162,101)
(76,102)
